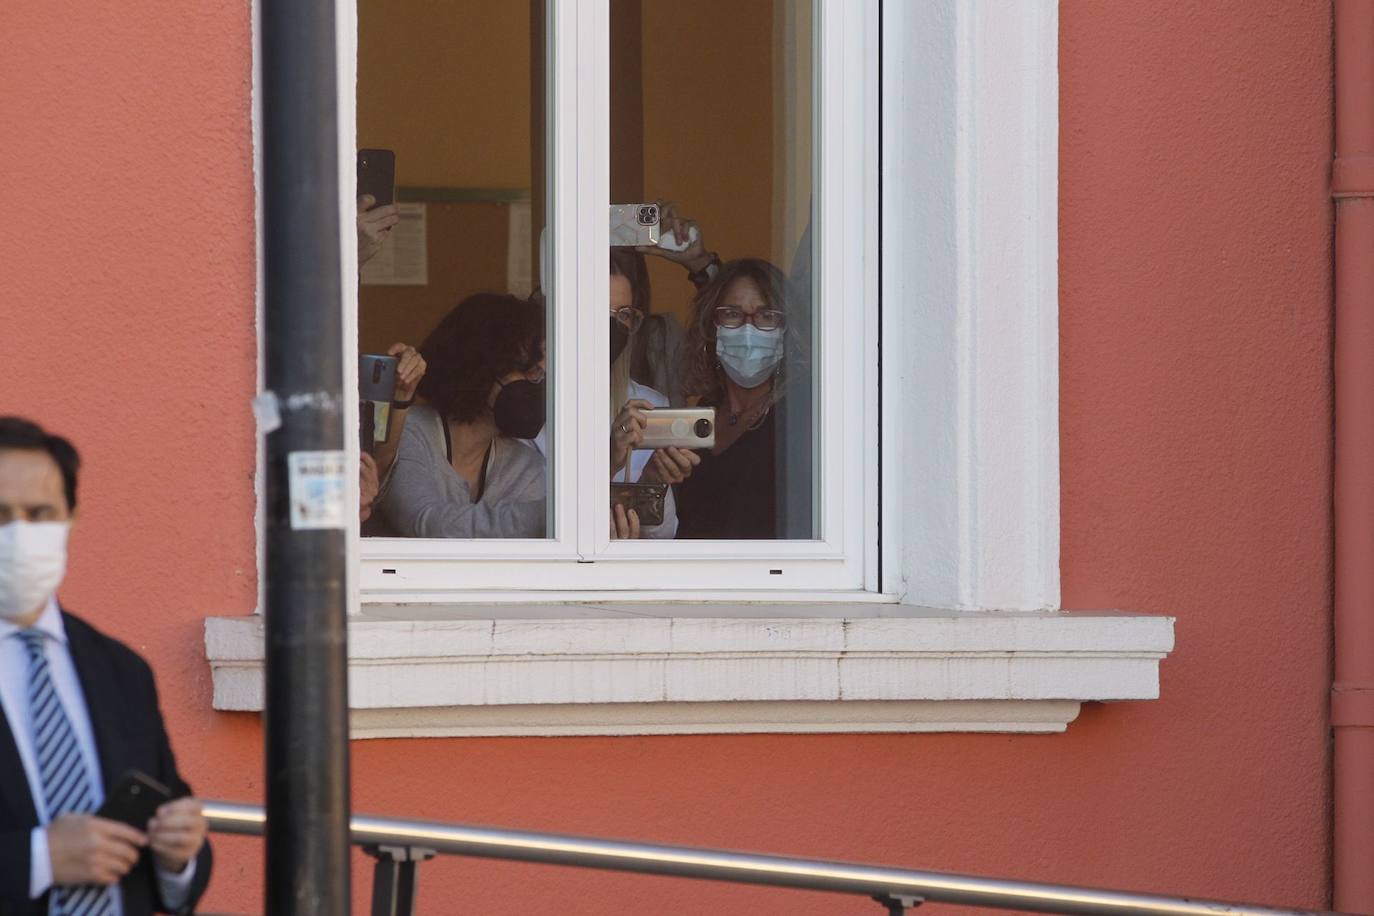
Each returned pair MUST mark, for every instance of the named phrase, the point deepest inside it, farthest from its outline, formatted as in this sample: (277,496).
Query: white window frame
(578,560)
(969,500)
(969,507)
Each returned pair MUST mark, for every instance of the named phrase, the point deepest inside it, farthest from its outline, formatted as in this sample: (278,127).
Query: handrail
(881,883)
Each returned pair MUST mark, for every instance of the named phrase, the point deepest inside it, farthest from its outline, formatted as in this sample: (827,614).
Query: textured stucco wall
(1194,274)
(127,323)
(1195,268)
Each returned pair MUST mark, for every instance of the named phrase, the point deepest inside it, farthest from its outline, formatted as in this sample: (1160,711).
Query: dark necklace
(733,418)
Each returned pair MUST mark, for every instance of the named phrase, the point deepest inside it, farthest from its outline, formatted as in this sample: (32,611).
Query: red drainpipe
(1352,692)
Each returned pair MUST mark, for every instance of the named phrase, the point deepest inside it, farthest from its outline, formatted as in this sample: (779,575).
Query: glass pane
(450,125)
(711,298)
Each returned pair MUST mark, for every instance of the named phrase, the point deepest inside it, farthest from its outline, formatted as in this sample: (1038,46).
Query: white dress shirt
(14,696)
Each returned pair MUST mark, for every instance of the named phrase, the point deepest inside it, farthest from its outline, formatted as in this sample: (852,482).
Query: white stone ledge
(683,669)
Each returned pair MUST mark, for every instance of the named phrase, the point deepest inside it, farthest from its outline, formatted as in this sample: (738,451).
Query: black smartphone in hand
(646,499)
(134,800)
(377,175)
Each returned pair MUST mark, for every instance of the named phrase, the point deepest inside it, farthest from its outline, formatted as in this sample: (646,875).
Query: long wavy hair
(630,264)
(704,378)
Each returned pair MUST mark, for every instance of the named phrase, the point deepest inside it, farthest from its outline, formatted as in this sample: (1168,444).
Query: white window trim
(971,304)
(582,560)
(624,669)
(970,486)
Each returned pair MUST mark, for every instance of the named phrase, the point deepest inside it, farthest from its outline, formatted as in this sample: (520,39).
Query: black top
(733,495)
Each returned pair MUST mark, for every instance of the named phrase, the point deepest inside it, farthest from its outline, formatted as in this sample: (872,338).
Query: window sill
(637,669)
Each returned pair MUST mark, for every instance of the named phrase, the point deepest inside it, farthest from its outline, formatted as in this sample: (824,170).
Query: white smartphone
(690,427)
(634,224)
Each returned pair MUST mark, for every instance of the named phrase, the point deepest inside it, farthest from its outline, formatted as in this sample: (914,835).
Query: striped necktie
(66,780)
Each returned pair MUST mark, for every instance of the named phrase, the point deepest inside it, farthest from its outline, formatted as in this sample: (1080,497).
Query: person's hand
(624,525)
(670,465)
(368,484)
(85,849)
(627,431)
(410,368)
(176,833)
(373,224)
(695,257)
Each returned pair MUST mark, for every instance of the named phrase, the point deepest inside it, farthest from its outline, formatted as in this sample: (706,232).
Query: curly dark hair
(484,337)
(703,376)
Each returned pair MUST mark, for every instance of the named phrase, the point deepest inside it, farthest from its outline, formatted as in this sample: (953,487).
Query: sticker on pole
(318,485)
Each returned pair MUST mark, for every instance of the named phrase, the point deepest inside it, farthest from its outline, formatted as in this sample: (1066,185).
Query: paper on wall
(519,269)
(404,257)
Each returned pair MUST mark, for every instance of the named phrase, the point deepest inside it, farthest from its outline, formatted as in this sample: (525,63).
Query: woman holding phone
(629,399)
(463,469)
(737,351)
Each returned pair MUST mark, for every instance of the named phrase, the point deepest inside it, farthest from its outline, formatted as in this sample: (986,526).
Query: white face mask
(33,559)
(747,354)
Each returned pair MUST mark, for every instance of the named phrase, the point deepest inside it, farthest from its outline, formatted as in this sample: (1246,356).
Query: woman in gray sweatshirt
(464,469)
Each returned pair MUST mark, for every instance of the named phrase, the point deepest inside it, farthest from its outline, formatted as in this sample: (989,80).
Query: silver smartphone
(690,427)
(634,224)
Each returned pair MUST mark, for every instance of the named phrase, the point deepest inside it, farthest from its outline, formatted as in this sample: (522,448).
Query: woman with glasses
(629,399)
(737,343)
(463,469)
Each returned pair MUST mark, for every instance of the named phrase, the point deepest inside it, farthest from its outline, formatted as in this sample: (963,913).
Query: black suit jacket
(129,735)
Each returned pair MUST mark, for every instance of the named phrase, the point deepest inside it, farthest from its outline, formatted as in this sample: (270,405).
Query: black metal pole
(306,719)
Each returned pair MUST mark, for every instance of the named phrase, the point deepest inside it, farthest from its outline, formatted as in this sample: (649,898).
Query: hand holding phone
(646,499)
(377,175)
(670,465)
(177,833)
(376,390)
(134,800)
(669,239)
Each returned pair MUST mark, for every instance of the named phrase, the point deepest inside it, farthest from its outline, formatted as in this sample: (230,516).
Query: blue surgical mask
(747,354)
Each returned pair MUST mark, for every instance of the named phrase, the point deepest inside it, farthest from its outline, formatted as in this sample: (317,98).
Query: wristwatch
(402,405)
(701,277)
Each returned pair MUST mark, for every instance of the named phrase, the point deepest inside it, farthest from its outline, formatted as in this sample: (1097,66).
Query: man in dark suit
(79,712)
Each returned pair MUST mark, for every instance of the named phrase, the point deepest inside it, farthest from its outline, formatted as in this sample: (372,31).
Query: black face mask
(519,409)
(620,339)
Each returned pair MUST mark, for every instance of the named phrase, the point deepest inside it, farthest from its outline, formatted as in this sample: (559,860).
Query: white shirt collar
(49,623)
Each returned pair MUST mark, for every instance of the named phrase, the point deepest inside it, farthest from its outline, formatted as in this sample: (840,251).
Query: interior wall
(447,86)
(627,101)
(708,128)
(793,126)
(468,245)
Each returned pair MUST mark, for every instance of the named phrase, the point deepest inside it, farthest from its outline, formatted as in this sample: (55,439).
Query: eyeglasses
(727,316)
(629,316)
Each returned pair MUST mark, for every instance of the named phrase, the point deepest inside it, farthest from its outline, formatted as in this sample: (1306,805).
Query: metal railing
(400,845)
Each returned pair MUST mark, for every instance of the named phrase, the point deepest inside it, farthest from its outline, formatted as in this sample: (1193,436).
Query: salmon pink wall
(127,323)
(1195,251)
